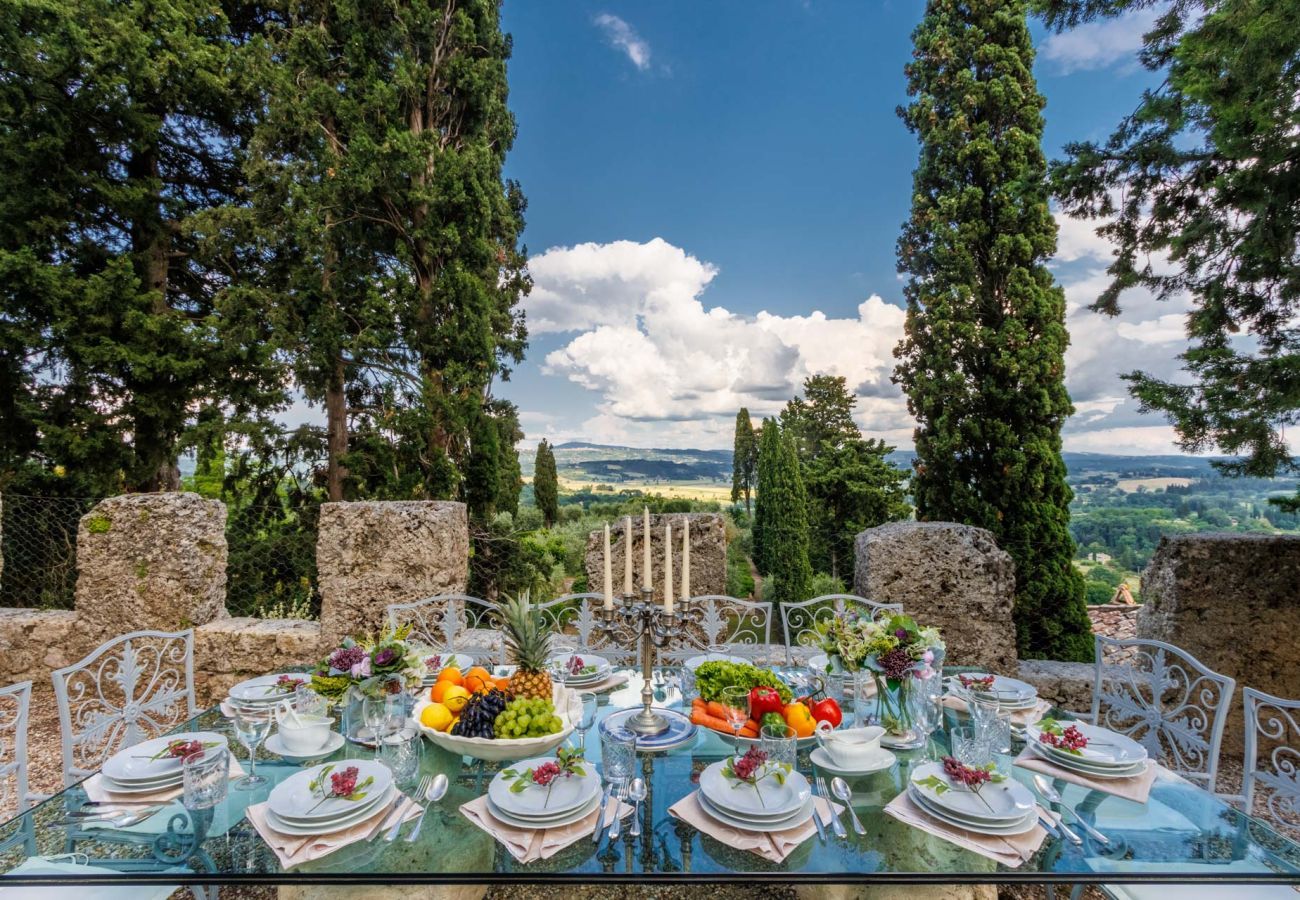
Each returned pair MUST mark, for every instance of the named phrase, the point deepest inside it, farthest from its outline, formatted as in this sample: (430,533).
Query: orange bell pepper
(799,717)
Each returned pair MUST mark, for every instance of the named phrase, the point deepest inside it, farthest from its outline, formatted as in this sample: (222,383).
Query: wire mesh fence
(270,568)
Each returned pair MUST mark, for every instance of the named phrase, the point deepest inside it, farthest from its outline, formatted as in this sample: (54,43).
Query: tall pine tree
(786,528)
(982,359)
(769,456)
(546,488)
(744,459)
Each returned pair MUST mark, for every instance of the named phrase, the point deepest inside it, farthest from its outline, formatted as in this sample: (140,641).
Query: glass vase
(894,710)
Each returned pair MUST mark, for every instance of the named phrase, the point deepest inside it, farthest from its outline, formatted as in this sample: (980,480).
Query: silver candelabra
(645,621)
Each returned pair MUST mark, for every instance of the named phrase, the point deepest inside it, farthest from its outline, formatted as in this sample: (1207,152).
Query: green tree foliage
(122,128)
(822,417)
(982,359)
(769,453)
(785,511)
(744,459)
(546,491)
(1198,192)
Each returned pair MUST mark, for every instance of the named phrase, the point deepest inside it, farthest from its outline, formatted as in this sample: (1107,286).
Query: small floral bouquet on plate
(340,785)
(752,769)
(962,777)
(1063,736)
(566,764)
(376,666)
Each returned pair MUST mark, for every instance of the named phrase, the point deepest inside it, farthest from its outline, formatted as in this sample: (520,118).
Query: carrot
(749,731)
(717,710)
(700,717)
(697,703)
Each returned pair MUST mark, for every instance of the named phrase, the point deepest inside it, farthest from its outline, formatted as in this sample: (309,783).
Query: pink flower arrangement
(1070,739)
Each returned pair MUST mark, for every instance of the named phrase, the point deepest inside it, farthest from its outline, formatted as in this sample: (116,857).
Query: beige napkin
(529,844)
(613,681)
(1010,850)
(294,850)
(774,845)
(1136,788)
(1020,718)
(97,791)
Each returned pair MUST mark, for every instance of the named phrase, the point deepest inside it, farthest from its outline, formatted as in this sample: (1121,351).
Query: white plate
(371,812)
(1001,803)
(819,663)
(587,682)
(1009,691)
(448,659)
(126,767)
(802,815)
(114,787)
(588,659)
(275,745)
(1012,828)
(1105,774)
(261,691)
(293,799)
(777,801)
(576,816)
(696,661)
(881,761)
(533,802)
(1106,748)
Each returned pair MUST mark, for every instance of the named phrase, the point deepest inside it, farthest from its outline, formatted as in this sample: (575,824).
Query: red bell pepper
(763,700)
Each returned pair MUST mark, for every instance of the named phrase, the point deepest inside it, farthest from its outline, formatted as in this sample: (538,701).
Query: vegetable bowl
(770,700)
(568,707)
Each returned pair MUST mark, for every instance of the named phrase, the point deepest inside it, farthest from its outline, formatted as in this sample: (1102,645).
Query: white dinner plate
(802,815)
(275,744)
(294,800)
(1106,748)
(770,801)
(117,788)
(534,802)
(262,691)
(1009,691)
(1090,772)
(131,765)
(446,660)
(1000,803)
(1011,828)
(576,816)
(370,812)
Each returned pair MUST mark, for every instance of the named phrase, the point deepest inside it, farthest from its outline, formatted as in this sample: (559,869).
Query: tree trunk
(336,418)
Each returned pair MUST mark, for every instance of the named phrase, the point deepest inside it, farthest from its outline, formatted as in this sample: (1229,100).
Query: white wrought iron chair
(574,619)
(800,620)
(744,627)
(1166,700)
(15,797)
(450,622)
(132,688)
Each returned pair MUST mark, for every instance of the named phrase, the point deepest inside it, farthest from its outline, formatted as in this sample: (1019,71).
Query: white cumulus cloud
(1099,44)
(623,36)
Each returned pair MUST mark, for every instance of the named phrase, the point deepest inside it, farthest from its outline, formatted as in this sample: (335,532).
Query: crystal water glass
(779,742)
(205,777)
(590,702)
(925,706)
(618,755)
(375,711)
(400,751)
(992,722)
(970,746)
(306,702)
(251,729)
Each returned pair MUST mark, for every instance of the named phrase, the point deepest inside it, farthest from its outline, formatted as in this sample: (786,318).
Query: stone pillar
(708,553)
(150,561)
(369,555)
(949,575)
(1233,602)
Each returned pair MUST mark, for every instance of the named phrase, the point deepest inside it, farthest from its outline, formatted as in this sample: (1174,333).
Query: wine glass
(736,702)
(251,729)
(589,703)
(375,712)
(926,710)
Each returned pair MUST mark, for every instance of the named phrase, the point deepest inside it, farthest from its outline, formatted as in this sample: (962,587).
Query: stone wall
(230,650)
(150,561)
(1233,602)
(34,642)
(369,555)
(1114,620)
(949,575)
(1067,684)
(708,553)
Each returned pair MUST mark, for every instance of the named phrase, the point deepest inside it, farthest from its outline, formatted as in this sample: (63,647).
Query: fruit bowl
(504,749)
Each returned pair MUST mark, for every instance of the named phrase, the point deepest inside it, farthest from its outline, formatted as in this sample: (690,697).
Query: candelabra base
(646,722)
(681,731)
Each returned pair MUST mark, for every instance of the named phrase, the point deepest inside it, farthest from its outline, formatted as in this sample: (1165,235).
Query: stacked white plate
(1010,693)
(294,808)
(1004,808)
(565,801)
(1107,755)
(133,770)
(593,671)
(765,807)
(262,694)
(445,659)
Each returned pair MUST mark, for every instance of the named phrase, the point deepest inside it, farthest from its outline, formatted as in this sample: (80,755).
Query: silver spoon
(636,793)
(840,788)
(1050,793)
(435,793)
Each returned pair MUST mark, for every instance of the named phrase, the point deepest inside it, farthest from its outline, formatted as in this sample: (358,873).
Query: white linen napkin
(294,850)
(1137,788)
(529,844)
(771,845)
(1012,851)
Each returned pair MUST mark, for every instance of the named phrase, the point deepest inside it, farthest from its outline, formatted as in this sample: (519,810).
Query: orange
(502,683)
(435,692)
(452,674)
(479,671)
(454,698)
(436,716)
(476,683)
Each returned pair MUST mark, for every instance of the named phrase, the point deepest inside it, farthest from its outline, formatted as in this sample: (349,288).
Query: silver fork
(840,832)
(420,791)
(616,827)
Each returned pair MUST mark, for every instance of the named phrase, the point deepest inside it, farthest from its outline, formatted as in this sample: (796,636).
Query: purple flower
(895,663)
(344,658)
(361,669)
(900,633)
(385,657)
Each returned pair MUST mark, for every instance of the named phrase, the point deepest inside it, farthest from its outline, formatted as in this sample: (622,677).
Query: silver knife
(600,819)
(386,819)
(1048,826)
(817,819)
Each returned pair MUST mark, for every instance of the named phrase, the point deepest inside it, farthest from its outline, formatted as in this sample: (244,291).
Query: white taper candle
(609,573)
(668,568)
(686,559)
(627,555)
(646,581)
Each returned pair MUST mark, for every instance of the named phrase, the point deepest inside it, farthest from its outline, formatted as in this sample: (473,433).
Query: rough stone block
(1232,601)
(35,641)
(151,561)
(949,575)
(1067,684)
(708,553)
(230,650)
(369,555)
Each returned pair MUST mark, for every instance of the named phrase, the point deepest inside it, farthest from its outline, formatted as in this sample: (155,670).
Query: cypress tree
(787,525)
(744,459)
(769,451)
(546,484)
(982,359)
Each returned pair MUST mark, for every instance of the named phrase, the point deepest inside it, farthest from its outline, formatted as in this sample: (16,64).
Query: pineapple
(528,644)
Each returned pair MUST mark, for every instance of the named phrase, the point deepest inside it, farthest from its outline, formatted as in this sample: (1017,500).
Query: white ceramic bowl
(500,750)
(310,736)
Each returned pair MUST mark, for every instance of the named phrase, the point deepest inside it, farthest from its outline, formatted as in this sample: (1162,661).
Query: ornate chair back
(1166,700)
(1273,729)
(800,620)
(575,619)
(449,622)
(743,627)
(15,705)
(132,688)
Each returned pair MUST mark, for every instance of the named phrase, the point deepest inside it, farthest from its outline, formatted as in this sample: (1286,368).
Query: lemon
(455,698)
(436,716)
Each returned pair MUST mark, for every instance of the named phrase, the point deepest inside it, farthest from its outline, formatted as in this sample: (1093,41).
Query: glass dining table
(1181,834)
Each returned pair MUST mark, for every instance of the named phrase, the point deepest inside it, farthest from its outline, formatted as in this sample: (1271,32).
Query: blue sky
(715,190)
